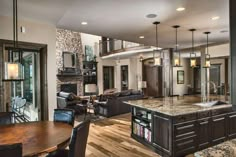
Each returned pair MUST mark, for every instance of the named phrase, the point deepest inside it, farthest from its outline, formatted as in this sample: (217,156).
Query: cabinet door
(219,129)
(204,132)
(232,125)
(162,133)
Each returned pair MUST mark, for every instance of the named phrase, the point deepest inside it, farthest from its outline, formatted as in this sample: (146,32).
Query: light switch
(22,29)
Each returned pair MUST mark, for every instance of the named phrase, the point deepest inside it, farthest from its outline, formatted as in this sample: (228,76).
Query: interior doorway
(108,77)
(124,71)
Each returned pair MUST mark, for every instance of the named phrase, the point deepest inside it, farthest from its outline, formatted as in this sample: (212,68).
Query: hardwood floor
(111,138)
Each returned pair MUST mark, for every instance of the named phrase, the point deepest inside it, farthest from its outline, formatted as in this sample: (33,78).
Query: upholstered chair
(11,150)
(64,115)
(6,118)
(78,142)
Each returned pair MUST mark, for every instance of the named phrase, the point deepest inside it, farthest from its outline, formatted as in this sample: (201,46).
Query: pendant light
(157,60)
(177,59)
(207,55)
(14,71)
(193,60)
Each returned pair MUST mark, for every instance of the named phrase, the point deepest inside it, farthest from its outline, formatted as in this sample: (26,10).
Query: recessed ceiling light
(215,18)
(180,9)
(141,37)
(151,15)
(84,23)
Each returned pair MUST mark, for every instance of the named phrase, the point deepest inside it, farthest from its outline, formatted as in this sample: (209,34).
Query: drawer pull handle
(184,143)
(185,127)
(215,120)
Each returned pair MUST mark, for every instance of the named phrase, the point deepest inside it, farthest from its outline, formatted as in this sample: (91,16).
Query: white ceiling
(126,19)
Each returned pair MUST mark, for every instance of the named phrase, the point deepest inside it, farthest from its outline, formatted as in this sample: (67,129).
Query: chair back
(78,140)
(64,115)
(6,118)
(11,150)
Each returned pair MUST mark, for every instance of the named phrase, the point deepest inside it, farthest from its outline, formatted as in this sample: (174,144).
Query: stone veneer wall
(69,41)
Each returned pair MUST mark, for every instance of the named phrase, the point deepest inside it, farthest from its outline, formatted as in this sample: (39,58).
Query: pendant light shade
(158,59)
(207,56)
(13,72)
(193,59)
(13,69)
(176,59)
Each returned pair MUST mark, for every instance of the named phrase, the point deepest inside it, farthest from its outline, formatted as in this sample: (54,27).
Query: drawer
(220,111)
(185,118)
(185,145)
(204,114)
(185,130)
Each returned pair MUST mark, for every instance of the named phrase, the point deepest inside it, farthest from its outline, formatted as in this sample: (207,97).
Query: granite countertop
(174,106)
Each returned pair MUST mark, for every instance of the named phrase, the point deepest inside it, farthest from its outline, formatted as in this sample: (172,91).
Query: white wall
(219,50)
(37,33)
(181,89)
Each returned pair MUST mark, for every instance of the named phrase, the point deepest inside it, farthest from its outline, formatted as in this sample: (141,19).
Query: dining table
(36,137)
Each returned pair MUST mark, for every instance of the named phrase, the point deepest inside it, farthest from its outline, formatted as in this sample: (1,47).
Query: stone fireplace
(69,41)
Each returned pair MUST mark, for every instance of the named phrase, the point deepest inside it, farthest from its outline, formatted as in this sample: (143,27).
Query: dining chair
(11,150)
(6,118)
(64,115)
(78,142)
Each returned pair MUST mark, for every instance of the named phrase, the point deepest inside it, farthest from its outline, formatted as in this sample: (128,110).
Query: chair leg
(85,114)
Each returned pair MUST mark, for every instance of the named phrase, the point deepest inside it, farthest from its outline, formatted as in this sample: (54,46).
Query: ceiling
(126,19)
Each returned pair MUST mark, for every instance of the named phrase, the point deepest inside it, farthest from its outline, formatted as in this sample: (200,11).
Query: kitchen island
(175,126)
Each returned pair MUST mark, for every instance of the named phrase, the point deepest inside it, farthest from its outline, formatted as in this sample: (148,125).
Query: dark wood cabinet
(218,127)
(177,136)
(204,132)
(162,133)
(232,125)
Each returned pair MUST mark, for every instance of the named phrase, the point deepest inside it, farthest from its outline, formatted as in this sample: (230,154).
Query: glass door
(26,94)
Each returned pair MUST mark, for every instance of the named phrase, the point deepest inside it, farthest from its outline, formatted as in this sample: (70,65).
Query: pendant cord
(192,42)
(156,37)
(16,23)
(207,45)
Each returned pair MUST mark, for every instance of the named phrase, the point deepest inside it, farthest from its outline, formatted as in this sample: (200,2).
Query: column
(232,15)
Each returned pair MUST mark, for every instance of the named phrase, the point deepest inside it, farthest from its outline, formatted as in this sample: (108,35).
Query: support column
(232,15)
(203,74)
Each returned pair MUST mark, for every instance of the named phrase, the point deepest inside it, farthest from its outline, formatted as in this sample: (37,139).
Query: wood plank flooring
(111,138)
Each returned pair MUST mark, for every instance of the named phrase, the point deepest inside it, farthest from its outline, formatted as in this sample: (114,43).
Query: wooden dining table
(37,137)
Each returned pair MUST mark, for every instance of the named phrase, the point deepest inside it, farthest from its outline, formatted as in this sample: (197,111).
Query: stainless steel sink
(210,103)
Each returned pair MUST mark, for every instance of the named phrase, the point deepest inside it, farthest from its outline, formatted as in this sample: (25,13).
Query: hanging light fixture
(207,55)
(193,60)
(176,59)
(157,60)
(141,58)
(14,71)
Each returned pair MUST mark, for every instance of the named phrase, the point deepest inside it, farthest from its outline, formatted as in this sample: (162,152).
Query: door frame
(42,48)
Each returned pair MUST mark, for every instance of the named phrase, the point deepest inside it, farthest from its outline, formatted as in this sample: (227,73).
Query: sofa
(70,101)
(112,104)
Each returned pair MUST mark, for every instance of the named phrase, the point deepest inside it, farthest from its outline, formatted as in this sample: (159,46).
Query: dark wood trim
(28,46)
